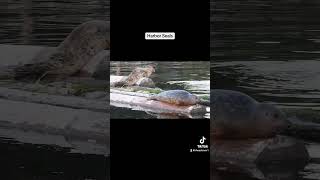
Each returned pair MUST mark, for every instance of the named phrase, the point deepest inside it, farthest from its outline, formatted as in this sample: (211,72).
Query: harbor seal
(177,97)
(145,82)
(81,45)
(237,115)
(137,74)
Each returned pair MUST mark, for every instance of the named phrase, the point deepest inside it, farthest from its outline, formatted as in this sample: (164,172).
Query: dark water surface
(270,50)
(47,23)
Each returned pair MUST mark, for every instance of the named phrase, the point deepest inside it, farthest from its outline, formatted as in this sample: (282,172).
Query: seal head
(269,120)
(238,116)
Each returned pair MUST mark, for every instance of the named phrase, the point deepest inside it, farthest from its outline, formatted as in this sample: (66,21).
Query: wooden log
(120,97)
(79,124)
(64,101)
(140,101)
(76,145)
(245,153)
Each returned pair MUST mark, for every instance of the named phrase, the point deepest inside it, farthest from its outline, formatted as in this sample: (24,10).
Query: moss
(141,90)
(150,91)
(205,97)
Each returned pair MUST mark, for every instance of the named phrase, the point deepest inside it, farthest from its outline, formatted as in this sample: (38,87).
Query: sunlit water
(191,76)
(270,50)
(47,23)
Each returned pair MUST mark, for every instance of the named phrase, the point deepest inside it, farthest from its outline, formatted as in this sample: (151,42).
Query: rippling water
(46,22)
(270,50)
(287,83)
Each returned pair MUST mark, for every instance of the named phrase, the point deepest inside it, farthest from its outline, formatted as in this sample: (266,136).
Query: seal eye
(276,115)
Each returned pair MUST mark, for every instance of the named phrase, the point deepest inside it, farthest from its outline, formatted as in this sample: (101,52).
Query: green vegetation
(150,91)
(205,97)
(144,90)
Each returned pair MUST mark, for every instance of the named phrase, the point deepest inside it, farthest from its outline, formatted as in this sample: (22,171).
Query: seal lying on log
(137,74)
(236,115)
(82,44)
(177,97)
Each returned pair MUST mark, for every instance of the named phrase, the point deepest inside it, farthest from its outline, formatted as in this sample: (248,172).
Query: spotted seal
(237,115)
(81,45)
(177,97)
(136,75)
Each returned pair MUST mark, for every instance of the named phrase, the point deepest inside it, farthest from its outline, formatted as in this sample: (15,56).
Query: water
(193,76)
(47,23)
(270,50)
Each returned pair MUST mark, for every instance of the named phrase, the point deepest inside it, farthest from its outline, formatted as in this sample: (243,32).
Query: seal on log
(81,45)
(237,115)
(177,97)
(137,74)
(145,82)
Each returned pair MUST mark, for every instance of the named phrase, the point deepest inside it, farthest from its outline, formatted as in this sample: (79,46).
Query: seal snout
(279,119)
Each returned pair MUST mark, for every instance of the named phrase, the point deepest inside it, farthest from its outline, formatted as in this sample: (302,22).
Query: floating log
(74,144)
(57,100)
(138,102)
(122,97)
(47,121)
(245,153)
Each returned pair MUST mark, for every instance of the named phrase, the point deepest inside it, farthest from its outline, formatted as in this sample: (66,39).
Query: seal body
(145,82)
(237,115)
(81,45)
(136,76)
(139,73)
(177,97)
